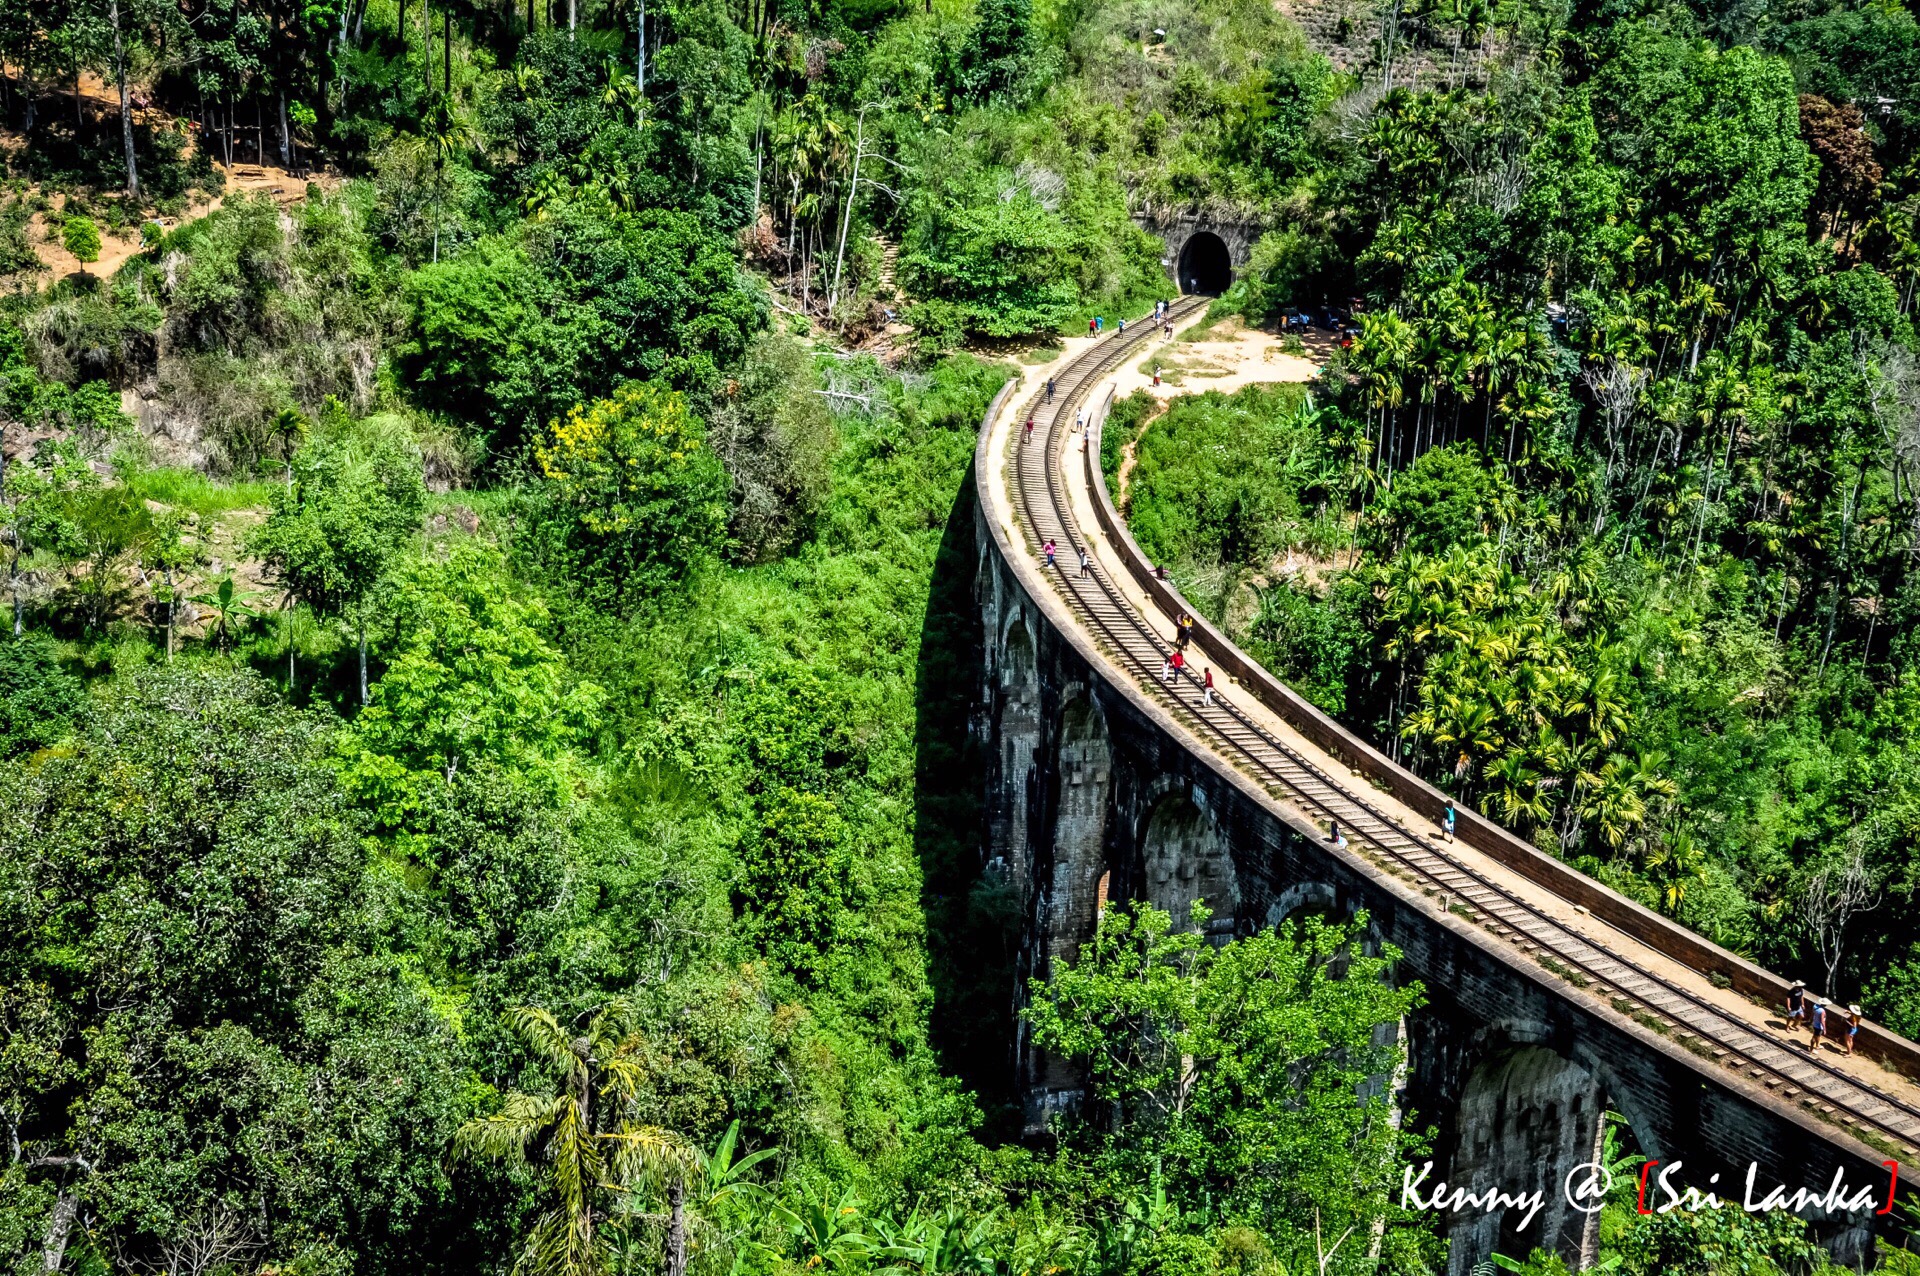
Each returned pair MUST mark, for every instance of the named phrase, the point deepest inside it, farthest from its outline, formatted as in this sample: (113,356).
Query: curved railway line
(1137,649)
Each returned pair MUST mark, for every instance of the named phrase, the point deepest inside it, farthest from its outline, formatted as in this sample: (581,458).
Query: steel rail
(1044,511)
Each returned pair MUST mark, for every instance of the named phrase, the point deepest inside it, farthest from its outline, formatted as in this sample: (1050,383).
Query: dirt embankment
(100,102)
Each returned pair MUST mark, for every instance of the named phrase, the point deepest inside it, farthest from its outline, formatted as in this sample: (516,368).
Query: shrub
(37,697)
(82,238)
(635,497)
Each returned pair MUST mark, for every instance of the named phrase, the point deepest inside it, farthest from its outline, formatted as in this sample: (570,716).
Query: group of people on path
(1079,419)
(1176,660)
(1098,325)
(1833,1024)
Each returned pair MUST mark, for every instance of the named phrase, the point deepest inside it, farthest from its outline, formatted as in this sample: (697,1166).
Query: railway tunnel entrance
(1206,267)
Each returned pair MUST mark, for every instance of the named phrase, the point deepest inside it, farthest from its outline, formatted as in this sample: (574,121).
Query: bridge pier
(1524,1120)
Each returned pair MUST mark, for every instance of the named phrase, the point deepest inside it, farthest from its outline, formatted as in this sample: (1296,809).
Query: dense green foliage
(1239,1073)
(1192,490)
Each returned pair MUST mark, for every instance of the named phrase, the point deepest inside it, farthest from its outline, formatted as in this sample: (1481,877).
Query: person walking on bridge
(1853,1027)
(1086,563)
(1796,1003)
(1446,820)
(1177,662)
(1123,328)
(1048,550)
(1028,436)
(1049,389)
(1206,686)
(1818,1022)
(1080,419)
(1183,631)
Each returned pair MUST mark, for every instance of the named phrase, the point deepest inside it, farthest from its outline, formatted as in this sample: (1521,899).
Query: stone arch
(1017,730)
(1622,1099)
(1527,1117)
(1303,897)
(1085,771)
(1206,264)
(1184,858)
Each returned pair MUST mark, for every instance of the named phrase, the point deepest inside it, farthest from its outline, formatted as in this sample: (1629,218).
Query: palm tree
(583,1135)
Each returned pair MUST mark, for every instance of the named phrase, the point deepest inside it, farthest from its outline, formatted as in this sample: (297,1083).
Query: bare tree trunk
(1832,900)
(126,112)
(760,118)
(846,218)
(573,17)
(446,50)
(363,655)
(676,1231)
(286,137)
(53,1251)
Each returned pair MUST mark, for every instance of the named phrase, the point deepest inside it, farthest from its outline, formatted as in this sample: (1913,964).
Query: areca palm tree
(1515,791)
(583,1136)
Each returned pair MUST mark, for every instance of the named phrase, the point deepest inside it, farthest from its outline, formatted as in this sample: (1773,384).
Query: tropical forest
(488,779)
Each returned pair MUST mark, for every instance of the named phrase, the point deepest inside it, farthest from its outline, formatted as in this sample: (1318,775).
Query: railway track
(1795,1077)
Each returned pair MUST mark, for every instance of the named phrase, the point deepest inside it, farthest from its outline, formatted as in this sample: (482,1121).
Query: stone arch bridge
(1550,998)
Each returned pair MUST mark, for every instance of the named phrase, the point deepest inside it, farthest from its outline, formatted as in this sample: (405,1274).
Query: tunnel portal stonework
(1185,236)
(1091,795)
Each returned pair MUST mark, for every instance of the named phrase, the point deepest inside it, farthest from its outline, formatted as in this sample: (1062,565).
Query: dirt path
(118,249)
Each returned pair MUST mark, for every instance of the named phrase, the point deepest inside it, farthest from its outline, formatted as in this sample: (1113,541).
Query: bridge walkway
(1045,489)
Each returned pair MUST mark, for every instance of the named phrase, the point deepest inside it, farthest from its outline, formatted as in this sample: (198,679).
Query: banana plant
(936,1243)
(830,1233)
(229,605)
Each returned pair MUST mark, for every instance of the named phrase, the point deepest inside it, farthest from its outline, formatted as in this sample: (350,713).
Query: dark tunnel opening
(1205,265)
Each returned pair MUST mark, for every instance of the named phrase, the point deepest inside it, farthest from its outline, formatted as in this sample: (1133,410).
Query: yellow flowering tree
(640,497)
